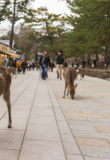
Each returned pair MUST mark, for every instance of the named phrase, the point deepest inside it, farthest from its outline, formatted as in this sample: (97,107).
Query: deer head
(72,91)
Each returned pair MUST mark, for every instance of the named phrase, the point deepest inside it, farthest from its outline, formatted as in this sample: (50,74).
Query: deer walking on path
(70,75)
(5,83)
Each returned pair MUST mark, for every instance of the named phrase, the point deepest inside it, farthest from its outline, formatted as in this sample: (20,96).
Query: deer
(70,75)
(5,83)
(12,70)
(80,72)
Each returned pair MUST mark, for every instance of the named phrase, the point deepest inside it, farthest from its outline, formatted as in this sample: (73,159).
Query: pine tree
(52,26)
(90,23)
(17,9)
(4,10)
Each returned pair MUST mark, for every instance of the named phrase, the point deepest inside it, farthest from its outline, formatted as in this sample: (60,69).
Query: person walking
(83,63)
(19,66)
(24,66)
(52,65)
(72,64)
(33,66)
(44,63)
(76,64)
(65,64)
(14,63)
(59,64)
(10,63)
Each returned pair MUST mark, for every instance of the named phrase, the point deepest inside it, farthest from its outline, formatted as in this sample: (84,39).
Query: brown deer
(12,70)
(5,82)
(70,75)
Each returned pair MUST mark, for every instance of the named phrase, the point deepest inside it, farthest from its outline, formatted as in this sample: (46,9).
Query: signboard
(4,49)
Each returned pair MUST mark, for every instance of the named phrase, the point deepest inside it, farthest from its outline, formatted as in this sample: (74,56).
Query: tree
(90,21)
(17,10)
(52,27)
(24,43)
(4,10)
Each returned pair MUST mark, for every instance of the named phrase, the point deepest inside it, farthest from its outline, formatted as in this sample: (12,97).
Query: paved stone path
(48,127)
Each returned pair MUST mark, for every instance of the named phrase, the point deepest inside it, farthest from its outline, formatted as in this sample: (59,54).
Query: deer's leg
(77,77)
(65,90)
(6,97)
(68,92)
(15,75)
(9,114)
(12,75)
(81,76)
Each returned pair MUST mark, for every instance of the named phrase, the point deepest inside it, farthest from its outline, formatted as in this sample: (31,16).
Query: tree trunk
(50,38)
(106,52)
(89,60)
(89,57)
(13,23)
(97,56)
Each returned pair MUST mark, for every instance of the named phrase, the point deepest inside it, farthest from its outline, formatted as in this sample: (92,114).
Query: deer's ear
(75,86)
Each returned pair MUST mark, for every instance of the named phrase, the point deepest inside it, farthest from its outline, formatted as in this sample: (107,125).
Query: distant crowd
(45,64)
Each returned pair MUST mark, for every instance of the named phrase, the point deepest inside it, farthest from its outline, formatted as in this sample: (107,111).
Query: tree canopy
(52,28)
(4,10)
(14,10)
(89,20)
(91,32)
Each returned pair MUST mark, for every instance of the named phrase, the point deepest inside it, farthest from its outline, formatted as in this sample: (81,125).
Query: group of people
(46,64)
(78,63)
(21,65)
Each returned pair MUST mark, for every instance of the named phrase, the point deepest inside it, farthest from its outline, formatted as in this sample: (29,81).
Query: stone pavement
(48,127)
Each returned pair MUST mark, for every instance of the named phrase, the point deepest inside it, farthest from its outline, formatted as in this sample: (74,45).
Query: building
(6,51)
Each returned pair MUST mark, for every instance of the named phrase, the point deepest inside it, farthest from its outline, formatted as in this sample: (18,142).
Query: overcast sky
(54,6)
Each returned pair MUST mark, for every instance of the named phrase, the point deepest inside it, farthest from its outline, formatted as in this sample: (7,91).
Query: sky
(54,6)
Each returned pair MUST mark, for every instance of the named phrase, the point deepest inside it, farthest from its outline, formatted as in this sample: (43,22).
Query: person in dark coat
(10,63)
(52,65)
(65,64)
(24,66)
(59,64)
(95,63)
(44,63)
(72,64)
(83,63)
(14,63)
(76,64)
(33,66)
